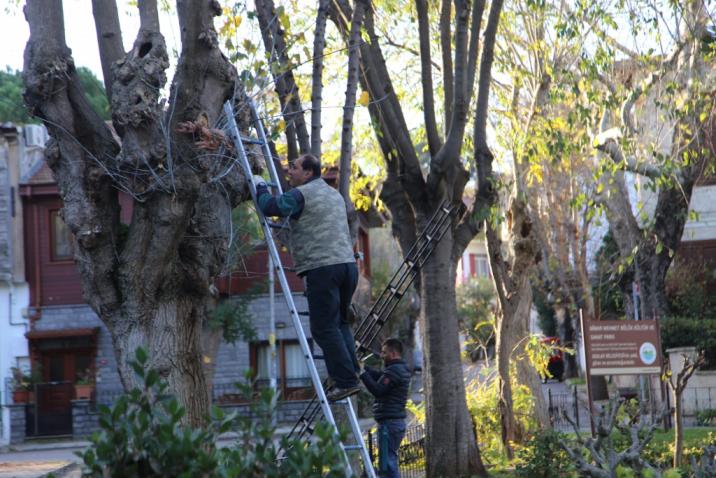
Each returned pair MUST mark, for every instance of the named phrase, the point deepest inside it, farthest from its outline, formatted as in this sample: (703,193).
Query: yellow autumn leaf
(281,125)
(364,99)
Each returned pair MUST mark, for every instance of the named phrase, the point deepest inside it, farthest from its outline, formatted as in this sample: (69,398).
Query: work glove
(259,181)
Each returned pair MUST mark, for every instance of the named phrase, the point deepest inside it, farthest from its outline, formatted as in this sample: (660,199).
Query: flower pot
(21,396)
(84,392)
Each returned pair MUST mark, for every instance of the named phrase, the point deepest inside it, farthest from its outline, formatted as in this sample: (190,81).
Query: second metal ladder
(323,404)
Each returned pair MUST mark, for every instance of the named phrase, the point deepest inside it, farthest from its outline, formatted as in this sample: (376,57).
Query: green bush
(543,457)
(687,331)
(142,435)
(706,417)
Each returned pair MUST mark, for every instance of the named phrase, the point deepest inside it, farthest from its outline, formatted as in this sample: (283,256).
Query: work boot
(338,393)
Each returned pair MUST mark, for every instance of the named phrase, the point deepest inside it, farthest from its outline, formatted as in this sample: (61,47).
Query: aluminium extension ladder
(266,226)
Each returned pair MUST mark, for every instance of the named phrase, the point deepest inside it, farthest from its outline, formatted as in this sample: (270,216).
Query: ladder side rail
(234,131)
(268,157)
(376,313)
(398,285)
(368,463)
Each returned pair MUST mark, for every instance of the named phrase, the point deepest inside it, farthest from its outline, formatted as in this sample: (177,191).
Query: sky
(79,32)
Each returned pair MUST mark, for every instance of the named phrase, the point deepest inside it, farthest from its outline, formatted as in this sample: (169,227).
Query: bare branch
(350,102)
(109,38)
(319,43)
(275,45)
(628,105)
(401,46)
(607,142)
(446,48)
(426,75)
(478,7)
(148,15)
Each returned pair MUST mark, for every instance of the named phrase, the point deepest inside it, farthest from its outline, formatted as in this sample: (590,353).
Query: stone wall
(85,419)
(17,422)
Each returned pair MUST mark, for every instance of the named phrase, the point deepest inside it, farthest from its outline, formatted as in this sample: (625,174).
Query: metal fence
(573,406)
(411,454)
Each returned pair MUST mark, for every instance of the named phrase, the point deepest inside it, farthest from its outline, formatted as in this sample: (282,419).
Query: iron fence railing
(411,454)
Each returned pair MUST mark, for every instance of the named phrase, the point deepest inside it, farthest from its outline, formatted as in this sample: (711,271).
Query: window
(479,266)
(61,239)
(294,381)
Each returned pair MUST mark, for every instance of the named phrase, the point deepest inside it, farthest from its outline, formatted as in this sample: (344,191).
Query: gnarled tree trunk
(152,287)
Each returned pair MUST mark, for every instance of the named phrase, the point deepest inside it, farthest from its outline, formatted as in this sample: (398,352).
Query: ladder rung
(352,447)
(277,225)
(318,357)
(244,139)
(288,269)
(304,313)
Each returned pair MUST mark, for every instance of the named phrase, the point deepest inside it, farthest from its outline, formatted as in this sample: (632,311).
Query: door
(52,414)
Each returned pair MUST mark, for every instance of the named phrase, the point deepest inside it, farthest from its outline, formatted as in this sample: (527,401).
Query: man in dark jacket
(322,253)
(390,388)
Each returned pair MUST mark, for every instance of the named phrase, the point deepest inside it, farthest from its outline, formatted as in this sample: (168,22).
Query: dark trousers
(329,290)
(390,434)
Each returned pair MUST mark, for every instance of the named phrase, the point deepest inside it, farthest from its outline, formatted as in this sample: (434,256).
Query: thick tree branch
(354,42)
(426,75)
(319,44)
(109,38)
(478,8)
(376,80)
(275,45)
(446,49)
(79,153)
(666,66)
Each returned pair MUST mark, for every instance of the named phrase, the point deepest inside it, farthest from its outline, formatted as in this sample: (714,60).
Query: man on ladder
(322,252)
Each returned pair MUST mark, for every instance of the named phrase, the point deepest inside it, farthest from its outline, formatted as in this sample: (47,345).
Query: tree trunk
(565,330)
(172,340)
(451,447)
(152,287)
(509,427)
(678,429)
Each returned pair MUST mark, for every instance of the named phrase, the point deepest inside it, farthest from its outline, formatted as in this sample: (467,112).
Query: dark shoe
(338,393)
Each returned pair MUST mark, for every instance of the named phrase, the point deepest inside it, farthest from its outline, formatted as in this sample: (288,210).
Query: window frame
(53,215)
(286,393)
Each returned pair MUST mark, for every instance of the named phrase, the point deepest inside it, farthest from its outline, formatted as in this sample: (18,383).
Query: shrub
(142,435)
(543,457)
(706,417)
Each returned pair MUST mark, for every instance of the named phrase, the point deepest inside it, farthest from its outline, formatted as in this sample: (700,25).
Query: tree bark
(153,288)
(286,87)
(678,430)
(447,417)
(319,43)
(346,158)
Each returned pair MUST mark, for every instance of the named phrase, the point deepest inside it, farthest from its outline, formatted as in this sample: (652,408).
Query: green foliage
(233,317)
(543,457)
(12,108)
(94,92)
(483,402)
(142,435)
(606,287)
(476,314)
(687,287)
(691,331)
(545,312)
(706,417)
(25,379)
(246,233)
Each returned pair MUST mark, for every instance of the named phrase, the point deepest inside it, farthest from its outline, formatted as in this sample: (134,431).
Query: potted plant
(84,386)
(22,385)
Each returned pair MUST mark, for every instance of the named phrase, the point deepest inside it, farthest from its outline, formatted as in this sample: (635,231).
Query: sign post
(620,347)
